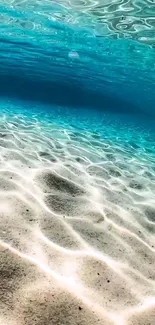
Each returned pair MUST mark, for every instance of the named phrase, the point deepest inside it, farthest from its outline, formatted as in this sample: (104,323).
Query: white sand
(77,225)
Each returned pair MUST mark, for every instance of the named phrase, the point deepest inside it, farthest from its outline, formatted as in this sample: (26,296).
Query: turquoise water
(60,54)
(77,162)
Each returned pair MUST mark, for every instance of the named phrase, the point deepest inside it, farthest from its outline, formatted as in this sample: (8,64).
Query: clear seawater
(77,161)
(88,60)
(80,55)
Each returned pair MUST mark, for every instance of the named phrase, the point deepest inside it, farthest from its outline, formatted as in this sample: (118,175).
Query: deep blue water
(48,58)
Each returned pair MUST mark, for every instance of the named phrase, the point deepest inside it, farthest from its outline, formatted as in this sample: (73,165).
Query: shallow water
(45,51)
(77,162)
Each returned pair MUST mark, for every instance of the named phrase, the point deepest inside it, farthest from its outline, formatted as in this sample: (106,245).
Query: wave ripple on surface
(115,18)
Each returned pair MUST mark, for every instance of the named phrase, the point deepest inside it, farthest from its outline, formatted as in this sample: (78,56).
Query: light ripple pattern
(133,19)
(77,218)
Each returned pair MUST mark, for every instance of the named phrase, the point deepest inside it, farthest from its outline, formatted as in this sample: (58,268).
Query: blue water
(48,58)
(77,162)
(61,63)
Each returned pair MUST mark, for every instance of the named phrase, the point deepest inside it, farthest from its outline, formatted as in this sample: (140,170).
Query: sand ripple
(77,216)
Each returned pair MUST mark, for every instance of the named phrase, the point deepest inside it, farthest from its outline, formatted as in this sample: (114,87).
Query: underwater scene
(77,162)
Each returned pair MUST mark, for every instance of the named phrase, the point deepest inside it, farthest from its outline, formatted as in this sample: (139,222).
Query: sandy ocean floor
(77,225)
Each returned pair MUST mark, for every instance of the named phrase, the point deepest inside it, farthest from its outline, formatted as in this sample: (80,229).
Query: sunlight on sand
(77,215)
